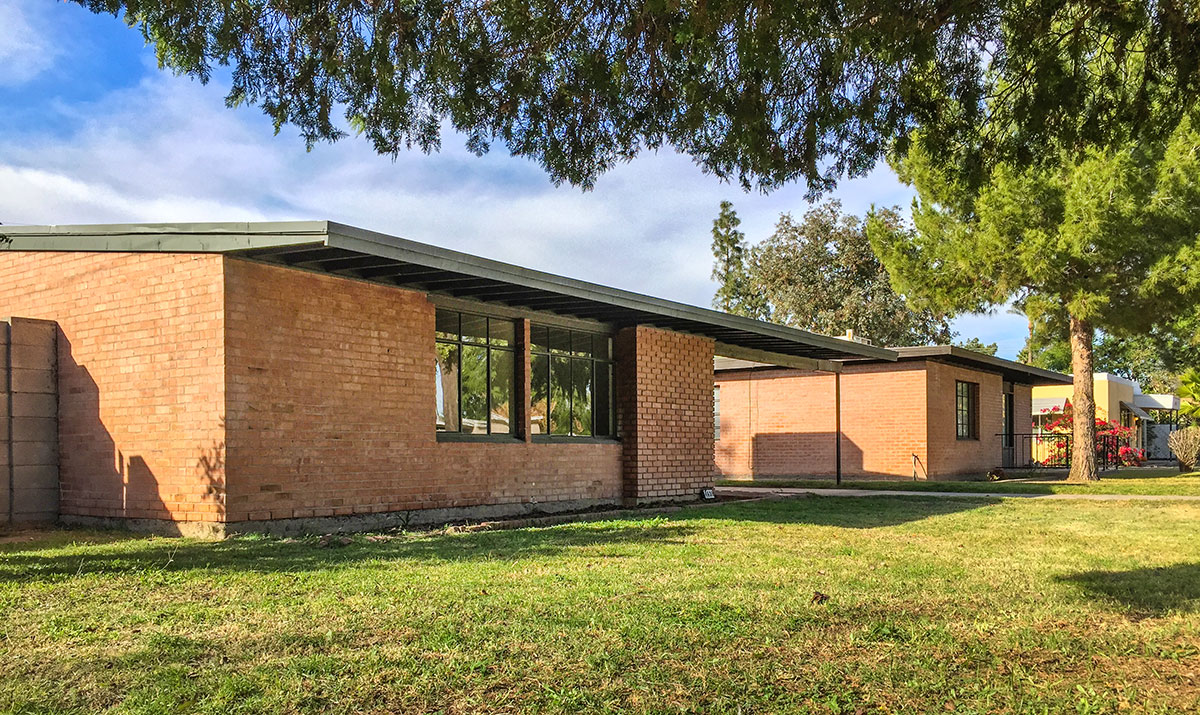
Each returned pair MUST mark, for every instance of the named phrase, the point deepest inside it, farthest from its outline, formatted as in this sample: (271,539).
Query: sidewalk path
(833,492)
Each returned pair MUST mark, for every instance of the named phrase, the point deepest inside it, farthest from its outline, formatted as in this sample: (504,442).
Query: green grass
(975,606)
(1160,482)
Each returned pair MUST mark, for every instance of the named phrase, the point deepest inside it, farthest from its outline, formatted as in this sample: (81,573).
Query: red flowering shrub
(1131,457)
(1112,439)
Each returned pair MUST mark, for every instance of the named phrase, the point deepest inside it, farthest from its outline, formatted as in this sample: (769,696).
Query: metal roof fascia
(167,238)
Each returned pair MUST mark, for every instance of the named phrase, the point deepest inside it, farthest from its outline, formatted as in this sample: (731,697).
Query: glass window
(571,382)
(475,373)
(539,399)
(966,410)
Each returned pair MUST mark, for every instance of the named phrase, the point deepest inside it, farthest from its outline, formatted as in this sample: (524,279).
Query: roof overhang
(1156,401)
(349,252)
(1011,370)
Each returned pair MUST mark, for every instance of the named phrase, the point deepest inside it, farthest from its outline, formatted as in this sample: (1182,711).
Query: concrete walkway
(833,492)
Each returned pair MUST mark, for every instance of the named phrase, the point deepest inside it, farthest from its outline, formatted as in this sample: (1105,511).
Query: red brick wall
(141,384)
(884,418)
(949,456)
(665,409)
(331,410)
(1022,410)
(777,423)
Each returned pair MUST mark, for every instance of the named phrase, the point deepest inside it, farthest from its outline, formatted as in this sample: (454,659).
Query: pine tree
(729,267)
(1105,238)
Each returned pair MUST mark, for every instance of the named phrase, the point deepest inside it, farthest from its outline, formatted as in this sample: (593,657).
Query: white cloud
(26,50)
(167,149)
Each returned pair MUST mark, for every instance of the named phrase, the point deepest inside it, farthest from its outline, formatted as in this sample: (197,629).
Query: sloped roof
(338,249)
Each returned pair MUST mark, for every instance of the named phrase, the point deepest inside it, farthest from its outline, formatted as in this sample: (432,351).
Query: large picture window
(475,373)
(966,409)
(572,383)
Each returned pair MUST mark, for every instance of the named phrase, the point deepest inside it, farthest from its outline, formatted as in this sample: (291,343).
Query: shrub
(1132,456)
(1185,443)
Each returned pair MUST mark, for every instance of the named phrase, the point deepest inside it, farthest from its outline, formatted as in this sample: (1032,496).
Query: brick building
(936,412)
(212,378)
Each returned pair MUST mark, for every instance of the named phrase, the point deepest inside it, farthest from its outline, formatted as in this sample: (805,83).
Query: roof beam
(773,358)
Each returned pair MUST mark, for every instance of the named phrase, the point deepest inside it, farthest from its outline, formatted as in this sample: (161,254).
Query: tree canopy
(979,346)
(818,273)
(1101,238)
(759,93)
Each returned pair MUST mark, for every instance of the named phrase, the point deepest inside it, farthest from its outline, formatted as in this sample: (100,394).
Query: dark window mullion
(458,379)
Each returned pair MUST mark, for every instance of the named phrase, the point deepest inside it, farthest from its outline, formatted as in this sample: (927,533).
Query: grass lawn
(970,606)
(1165,481)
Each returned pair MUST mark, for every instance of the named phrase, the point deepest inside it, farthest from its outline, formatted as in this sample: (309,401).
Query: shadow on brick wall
(97,479)
(802,455)
(792,453)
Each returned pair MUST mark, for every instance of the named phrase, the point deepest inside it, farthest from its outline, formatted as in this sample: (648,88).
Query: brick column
(664,413)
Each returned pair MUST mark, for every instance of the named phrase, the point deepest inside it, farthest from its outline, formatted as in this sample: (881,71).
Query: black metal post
(837,422)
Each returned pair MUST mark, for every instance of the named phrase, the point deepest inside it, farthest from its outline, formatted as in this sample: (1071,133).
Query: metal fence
(1053,451)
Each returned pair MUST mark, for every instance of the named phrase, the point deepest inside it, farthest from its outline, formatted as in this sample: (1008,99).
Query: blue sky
(91,131)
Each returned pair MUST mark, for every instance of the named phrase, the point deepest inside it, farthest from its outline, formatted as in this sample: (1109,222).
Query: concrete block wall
(28,421)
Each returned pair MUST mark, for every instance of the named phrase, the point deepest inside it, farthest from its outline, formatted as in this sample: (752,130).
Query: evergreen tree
(979,346)
(734,294)
(1103,237)
(760,93)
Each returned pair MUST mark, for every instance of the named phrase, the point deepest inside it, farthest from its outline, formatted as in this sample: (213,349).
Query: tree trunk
(1083,404)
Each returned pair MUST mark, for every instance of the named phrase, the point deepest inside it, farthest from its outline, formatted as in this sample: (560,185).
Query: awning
(1042,405)
(1139,412)
(1156,402)
(337,249)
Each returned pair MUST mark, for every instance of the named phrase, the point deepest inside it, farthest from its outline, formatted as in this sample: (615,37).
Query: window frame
(512,348)
(966,405)
(594,362)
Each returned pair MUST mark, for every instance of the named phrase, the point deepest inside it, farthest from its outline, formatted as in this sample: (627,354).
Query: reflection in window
(571,383)
(475,373)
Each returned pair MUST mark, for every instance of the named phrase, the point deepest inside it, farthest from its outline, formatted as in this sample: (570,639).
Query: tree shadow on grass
(1152,591)
(270,555)
(849,512)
